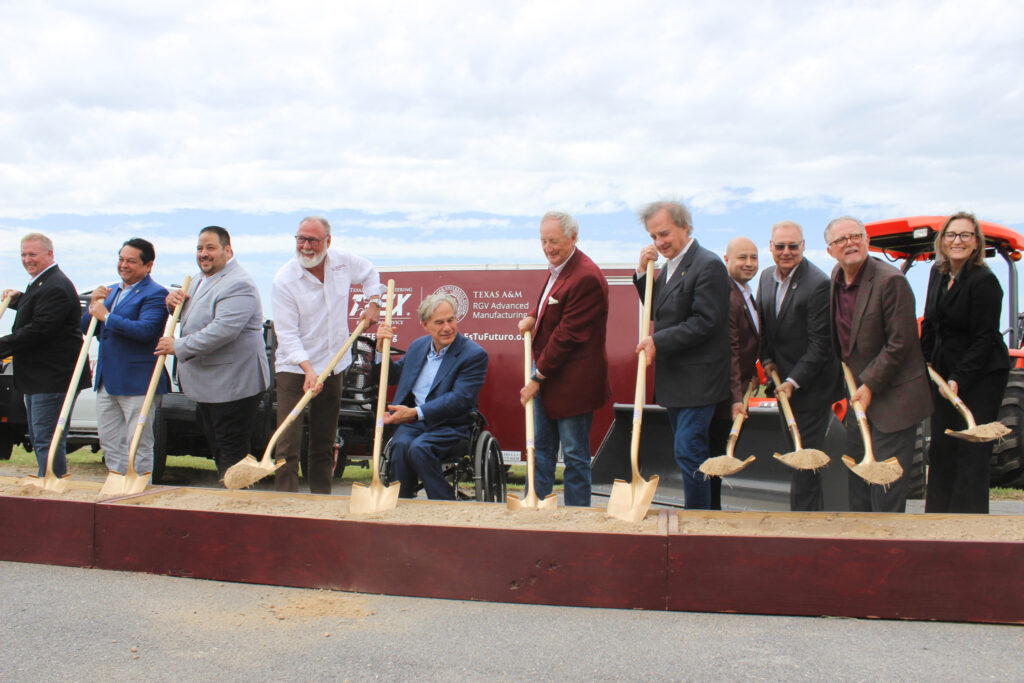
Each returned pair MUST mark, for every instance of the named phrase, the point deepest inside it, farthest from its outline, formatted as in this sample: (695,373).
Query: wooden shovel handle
(69,398)
(641,375)
(948,394)
(734,433)
(862,418)
(787,410)
(5,303)
(530,426)
(382,389)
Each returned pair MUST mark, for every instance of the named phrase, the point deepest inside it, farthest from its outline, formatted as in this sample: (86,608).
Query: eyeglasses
(782,246)
(852,239)
(313,241)
(964,236)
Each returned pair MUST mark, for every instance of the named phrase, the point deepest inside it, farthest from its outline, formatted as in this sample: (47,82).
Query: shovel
(975,433)
(131,482)
(724,465)
(802,458)
(531,501)
(5,303)
(51,482)
(249,470)
(630,501)
(376,497)
(868,469)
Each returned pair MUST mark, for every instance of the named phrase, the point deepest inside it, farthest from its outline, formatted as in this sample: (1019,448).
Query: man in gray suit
(793,300)
(222,359)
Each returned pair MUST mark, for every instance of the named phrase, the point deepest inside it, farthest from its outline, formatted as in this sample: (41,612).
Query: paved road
(89,624)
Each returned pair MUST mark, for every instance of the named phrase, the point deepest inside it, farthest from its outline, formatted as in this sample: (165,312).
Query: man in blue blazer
(130,318)
(439,381)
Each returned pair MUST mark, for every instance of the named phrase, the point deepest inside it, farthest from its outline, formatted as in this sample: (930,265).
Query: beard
(312,260)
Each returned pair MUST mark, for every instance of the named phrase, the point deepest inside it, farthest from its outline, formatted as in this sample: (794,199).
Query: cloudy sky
(439,132)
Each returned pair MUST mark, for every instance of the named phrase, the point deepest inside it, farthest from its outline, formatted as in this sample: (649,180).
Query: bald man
(744,323)
(793,300)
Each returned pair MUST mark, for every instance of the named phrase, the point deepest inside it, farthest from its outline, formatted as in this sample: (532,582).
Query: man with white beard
(310,298)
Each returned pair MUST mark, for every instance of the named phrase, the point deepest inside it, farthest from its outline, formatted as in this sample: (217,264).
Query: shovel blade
(115,485)
(136,483)
(248,471)
(882,473)
(531,502)
(805,459)
(374,498)
(992,431)
(50,482)
(630,501)
(723,465)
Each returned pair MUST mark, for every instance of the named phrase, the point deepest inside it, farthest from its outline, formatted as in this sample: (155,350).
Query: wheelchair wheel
(385,463)
(490,484)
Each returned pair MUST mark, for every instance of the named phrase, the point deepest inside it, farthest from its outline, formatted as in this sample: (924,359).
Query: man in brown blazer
(744,323)
(874,331)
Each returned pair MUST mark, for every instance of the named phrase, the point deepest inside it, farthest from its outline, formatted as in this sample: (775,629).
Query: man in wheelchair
(439,380)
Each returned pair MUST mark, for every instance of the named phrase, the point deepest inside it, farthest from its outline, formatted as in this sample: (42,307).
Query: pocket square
(552,300)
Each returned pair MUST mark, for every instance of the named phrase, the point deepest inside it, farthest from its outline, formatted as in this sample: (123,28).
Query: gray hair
(317,219)
(831,223)
(38,237)
(570,228)
(787,224)
(430,304)
(677,211)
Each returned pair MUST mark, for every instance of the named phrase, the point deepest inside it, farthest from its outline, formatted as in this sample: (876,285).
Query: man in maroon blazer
(874,331)
(744,323)
(570,379)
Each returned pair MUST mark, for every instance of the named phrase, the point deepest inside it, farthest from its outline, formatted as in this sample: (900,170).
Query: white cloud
(437,108)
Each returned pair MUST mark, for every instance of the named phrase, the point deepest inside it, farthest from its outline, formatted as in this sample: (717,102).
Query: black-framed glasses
(783,246)
(964,236)
(312,241)
(852,239)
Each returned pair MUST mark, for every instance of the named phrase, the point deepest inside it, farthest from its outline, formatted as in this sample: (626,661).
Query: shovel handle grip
(787,410)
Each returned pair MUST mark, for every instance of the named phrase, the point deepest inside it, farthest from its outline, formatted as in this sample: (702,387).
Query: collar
(557,270)
(677,259)
(33,280)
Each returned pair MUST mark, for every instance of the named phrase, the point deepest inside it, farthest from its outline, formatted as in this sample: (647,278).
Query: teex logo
(397,312)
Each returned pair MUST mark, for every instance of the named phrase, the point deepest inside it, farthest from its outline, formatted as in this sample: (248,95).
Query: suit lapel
(787,303)
(677,277)
(447,363)
(208,286)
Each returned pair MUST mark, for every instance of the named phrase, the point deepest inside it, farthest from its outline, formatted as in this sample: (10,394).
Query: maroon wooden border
(46,531)
(520,566)
(893,579)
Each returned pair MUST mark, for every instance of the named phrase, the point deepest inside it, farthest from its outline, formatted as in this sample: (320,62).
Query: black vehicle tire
(6,443)
(385,464)
(490,486)
(159,446)
(1006,466)
(918,482)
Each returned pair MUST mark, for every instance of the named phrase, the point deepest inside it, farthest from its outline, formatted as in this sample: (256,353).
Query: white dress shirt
(311,317)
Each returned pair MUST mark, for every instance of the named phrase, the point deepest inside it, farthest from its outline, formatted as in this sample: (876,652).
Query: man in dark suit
(222,358)
(874,331)
(793,299)
(744,342)
(569,325)
(690,344)
(130,319)
(45,341)
(439,381)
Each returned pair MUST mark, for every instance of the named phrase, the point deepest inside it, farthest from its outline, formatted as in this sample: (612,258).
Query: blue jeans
(42,411)
(573,435)
(690,444)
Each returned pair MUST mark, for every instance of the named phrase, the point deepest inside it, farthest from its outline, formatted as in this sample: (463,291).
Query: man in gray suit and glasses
(222,359)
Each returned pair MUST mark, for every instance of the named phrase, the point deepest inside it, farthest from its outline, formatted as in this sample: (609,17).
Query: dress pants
(718,439)
(228,427)
(690,446)
(865,497)
(323,429)
(416,456)
(42,411)
(958,471)
(805,488)
(116,420)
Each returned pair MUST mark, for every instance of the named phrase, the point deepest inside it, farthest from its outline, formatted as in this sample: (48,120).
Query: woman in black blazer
(961,340)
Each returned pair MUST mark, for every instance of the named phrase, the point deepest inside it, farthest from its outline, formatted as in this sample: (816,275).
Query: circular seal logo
(460,298)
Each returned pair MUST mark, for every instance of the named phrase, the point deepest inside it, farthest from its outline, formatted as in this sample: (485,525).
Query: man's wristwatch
(536,378)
